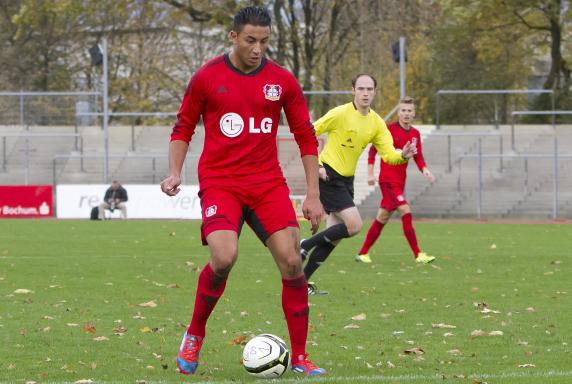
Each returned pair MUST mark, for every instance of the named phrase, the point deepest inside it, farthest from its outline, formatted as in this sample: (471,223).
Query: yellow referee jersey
(349,133)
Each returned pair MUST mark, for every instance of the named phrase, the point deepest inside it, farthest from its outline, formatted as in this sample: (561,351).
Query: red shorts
(392,196)
(266,209)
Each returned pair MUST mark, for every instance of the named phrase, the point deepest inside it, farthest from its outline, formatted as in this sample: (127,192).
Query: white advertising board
(74,201)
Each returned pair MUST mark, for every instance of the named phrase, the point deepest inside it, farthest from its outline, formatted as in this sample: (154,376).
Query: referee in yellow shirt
(350,128)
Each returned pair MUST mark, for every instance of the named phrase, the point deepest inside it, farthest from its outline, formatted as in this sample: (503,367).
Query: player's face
(363,91)
(406,114)
(249,46)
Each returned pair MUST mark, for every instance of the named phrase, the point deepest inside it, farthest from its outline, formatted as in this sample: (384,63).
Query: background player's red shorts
(392,196)
(266,208)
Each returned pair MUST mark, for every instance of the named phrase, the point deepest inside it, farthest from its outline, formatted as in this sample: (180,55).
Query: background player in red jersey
(240,96)
(392,183)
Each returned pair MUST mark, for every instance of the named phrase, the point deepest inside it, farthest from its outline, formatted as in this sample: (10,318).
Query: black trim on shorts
(337,192)
(252,220)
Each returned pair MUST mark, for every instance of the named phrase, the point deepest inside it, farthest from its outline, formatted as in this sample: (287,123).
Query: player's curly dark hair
(251,15)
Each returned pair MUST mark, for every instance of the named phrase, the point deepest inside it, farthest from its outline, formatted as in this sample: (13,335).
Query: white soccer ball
(266,356)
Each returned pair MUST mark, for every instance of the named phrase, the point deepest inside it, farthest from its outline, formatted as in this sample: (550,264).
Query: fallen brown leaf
(149,304)
(360,317)
(239,340)
(89,327)
(351,326)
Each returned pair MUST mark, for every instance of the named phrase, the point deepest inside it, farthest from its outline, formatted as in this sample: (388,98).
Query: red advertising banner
(26,201)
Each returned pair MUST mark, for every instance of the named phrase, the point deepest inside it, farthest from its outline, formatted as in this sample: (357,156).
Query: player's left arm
(298,118)
(420,161)
(312,207)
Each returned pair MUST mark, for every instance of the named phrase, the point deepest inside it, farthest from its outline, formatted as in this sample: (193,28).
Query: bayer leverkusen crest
(272,92)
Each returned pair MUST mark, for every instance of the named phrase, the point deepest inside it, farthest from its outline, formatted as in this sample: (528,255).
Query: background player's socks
(333,233)
(409,232)
(318,256)
(371,237)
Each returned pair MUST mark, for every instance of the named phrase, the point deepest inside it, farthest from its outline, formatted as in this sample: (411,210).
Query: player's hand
(322,173)
(313,212)
(370,180)
(409,150)
(427,173)
(170,186)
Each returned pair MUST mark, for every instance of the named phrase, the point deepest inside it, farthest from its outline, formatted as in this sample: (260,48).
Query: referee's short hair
(354,80)
(251,15)
(407,100)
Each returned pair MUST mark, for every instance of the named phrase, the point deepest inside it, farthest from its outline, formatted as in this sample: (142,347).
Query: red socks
(294,303)
(371,237)
(296,310)
(209,290)
(409,232)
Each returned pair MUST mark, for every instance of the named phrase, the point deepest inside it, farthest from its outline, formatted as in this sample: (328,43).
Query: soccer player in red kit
(240,96)
(392,183)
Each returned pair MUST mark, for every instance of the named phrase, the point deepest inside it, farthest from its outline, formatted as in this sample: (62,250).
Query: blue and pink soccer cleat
(188,358)
(306,367)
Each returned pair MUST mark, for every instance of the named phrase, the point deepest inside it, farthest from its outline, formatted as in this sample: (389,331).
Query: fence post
(449,153)
(480,193)
(54,172)
(133,135)
(496,113)
(22,110)
(555,182)
(4,156)
(501,152)
(512,132)
(460,173)
(81,168)
(526,174)
(154,169)
(438,111)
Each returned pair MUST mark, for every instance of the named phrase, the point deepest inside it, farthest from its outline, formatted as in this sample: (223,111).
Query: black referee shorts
(336,193)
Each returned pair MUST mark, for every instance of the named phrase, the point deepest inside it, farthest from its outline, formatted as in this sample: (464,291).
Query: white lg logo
(231,124)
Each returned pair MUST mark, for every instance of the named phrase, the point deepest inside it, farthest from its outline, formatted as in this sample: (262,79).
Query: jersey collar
(232,67)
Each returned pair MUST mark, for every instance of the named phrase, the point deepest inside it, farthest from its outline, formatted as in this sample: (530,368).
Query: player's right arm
(177,153)
(187,118)
(371,164)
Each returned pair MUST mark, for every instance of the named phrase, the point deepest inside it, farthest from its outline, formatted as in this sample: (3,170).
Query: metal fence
(26,109)
(522,184)
(475,103)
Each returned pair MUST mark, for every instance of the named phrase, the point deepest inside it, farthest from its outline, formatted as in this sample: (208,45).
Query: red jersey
(241,112)
(398,173)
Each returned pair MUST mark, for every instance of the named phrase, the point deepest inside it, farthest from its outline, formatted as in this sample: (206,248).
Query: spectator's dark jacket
(120,193)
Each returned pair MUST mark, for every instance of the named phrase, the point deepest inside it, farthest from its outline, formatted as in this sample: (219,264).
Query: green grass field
(72,294)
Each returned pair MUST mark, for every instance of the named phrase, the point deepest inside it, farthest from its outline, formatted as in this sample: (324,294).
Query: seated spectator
(115,198)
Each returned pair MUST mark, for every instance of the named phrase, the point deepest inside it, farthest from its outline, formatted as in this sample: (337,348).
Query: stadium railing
(487,92)
(77,136)
(555,177)
(534,113)
(479,135)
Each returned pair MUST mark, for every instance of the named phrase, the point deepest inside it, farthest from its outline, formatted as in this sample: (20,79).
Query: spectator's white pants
(103,206)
